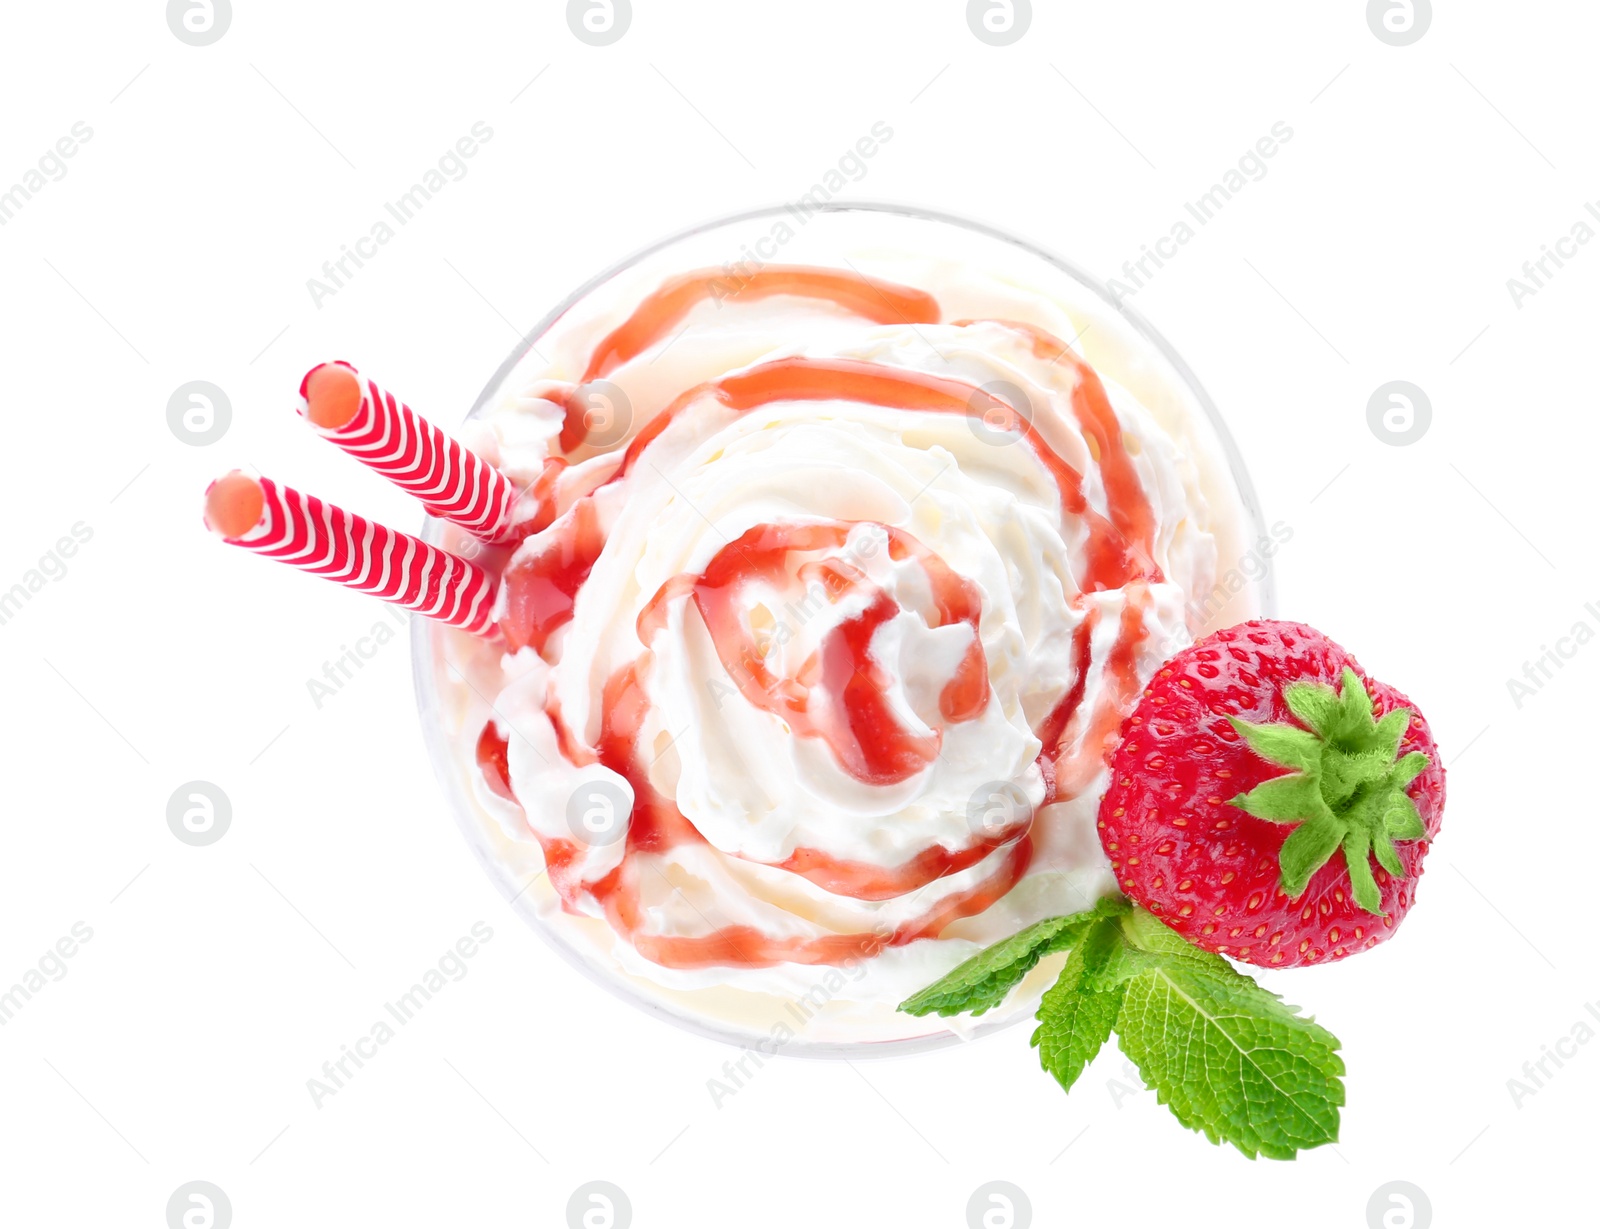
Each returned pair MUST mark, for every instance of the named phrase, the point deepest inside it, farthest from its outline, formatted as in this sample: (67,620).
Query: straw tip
(333,395)
(234,505)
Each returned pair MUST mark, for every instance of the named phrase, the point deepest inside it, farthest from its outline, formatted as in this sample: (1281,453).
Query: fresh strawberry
(1269,801)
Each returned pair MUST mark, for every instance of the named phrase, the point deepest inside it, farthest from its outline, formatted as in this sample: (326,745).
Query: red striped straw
(378,429)
(281,523)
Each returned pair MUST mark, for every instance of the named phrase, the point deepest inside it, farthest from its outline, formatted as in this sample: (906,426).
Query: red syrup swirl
(841,693)
(663,311)
(542,584)
(1113,560)
(657,826)
(493,752)
(1076,741)
(838,694)
(660,313)
(1126,504)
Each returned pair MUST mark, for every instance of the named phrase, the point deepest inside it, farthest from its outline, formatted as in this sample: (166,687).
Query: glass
(869,238)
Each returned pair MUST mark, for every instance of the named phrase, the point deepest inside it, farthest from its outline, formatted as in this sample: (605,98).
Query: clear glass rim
(423,630)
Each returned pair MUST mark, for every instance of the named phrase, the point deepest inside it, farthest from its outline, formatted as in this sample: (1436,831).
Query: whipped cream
(826,624)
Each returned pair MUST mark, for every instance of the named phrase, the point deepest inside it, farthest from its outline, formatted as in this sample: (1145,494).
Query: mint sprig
(1077,1014)
(982,982)
(1227,1057)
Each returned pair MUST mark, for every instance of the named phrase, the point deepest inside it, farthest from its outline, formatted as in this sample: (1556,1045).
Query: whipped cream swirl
(815,658)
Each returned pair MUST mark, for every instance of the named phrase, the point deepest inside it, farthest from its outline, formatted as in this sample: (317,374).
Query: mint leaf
(1227,1057)
(983,982)
(1075,1019)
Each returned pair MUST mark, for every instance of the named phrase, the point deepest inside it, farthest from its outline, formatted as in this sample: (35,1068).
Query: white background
(219,979)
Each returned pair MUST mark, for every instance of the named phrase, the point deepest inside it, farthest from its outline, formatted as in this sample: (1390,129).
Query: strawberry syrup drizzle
(542,587)
(543,491)
(802,379)
(663,311)
(492,753)
(1126,502)
(1055,725)
(865,881)
(660,313)
(657,826)
(864,735)
(749,947)
(1072,771)
(857,724)
(840,695)
(1113,561)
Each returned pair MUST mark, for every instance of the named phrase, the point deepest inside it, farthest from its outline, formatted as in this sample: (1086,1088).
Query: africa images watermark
(1536,1072)
(450,967)
(1126,1085)
(1251,168)
(797,1012)
(342,669)
(1248,569)
(1542,670)
(450,168)
(1537,273)
(50,168)
(52,966)
(51,566)
(850,167)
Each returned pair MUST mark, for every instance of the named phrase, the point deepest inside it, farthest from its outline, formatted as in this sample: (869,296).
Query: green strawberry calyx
(1349,793)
